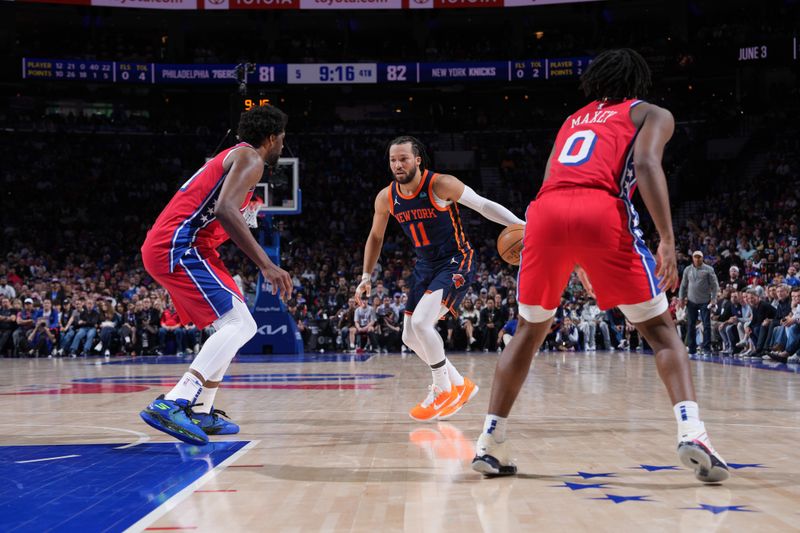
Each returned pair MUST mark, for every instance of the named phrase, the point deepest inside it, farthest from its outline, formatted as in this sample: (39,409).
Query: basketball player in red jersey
(425,205)
(583,215)
(180,252)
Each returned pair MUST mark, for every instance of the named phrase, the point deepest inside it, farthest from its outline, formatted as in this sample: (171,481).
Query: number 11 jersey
(435,230)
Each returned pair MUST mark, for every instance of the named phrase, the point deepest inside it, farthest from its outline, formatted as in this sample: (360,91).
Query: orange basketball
(509,243)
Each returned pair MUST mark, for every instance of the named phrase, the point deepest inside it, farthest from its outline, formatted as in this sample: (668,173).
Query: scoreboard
(767,51)
(67,69)
(127,72)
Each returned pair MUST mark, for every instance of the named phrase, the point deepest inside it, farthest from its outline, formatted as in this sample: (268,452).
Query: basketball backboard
(280,188)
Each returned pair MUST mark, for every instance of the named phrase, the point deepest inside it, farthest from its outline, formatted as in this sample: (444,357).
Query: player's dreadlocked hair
(256,125)
(617,74)
(416,146)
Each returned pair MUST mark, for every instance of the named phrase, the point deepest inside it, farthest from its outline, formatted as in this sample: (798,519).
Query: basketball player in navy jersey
(583,215)
(425,205)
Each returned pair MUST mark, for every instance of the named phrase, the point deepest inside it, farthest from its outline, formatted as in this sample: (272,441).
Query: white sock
(495,426)
(206,398)
(687,415)
(233,330)
(455,378)
(209,393)
(188,388)
(440,378)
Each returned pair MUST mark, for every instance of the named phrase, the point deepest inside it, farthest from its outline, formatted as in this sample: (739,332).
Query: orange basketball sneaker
(433,404)
(465,394)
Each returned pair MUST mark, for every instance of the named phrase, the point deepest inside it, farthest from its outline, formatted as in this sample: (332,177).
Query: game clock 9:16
(332,73)
(250,103)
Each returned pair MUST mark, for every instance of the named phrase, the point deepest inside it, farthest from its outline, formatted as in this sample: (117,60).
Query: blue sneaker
(173,418)
(213,424)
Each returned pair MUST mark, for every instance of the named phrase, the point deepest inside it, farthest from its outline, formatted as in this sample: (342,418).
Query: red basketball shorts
(592,229)
(200,286)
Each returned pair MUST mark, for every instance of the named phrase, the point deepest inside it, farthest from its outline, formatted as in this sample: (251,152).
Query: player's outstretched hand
(666,266)
(363,287)
(280,279)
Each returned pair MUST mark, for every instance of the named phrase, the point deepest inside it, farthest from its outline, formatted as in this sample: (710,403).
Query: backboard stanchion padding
(277,331)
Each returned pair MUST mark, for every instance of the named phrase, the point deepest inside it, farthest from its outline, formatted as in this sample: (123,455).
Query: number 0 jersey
(436,231)
(583,215)
(594,150)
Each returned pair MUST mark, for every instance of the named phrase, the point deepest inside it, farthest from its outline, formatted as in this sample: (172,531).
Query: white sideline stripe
(142,437)
(176,500)
(46,459)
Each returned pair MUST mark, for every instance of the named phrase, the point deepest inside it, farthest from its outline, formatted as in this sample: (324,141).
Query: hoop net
(250,212)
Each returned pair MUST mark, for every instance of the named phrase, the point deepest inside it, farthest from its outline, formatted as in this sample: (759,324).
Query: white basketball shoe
(492,458)
(697,453)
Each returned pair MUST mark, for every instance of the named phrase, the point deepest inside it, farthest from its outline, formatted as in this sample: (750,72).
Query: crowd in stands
(748,231)
(71,281)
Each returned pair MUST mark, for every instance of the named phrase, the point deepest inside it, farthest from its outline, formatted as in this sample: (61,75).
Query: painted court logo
(458,280)
(276,381)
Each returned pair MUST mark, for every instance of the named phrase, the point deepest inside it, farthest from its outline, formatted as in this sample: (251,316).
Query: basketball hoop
(250,212)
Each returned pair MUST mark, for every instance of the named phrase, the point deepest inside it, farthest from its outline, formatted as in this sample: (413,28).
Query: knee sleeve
(241,317)
(249,327)
(233,330)
(409,339)
(418,322)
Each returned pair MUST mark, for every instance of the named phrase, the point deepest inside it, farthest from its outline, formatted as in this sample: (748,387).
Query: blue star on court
(589,475)
(717,509)
(581,486)
(619,499)
(655,468)
(737,466)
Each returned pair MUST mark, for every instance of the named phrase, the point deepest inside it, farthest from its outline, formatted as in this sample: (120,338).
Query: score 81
(396,72)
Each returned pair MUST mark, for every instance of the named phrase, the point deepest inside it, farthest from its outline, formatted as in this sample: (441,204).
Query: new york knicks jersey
(188,220)
(594,150)
(435,231)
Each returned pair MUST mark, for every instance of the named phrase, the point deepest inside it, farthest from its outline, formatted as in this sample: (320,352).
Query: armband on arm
(487,208)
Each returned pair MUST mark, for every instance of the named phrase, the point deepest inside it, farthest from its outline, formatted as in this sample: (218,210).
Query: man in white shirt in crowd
(591,319)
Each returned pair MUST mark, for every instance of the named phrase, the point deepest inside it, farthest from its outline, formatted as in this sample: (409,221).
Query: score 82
(396,72)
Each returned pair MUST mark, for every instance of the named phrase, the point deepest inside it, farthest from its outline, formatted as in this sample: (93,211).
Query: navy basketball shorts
(453,276)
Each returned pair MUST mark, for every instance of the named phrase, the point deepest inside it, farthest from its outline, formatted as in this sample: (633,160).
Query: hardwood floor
(327,445)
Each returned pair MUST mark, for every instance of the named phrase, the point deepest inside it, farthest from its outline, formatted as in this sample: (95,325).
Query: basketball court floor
(327,445)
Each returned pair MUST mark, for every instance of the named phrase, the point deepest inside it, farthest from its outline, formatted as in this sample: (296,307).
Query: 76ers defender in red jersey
(180,252)
(583,216)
